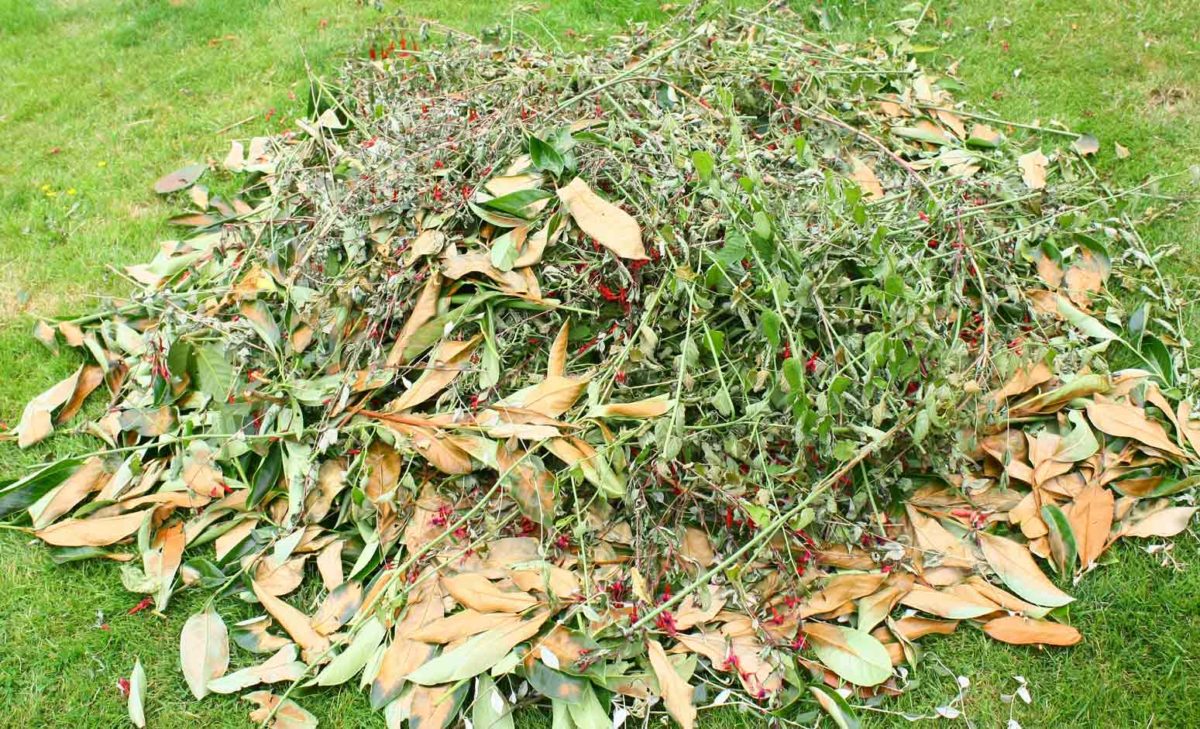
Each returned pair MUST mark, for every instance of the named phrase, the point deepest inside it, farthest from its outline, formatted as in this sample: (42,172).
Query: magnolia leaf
(649,408)
(1091,518)
(137,695)
(477,655)
(1025,631)
(676,693)
(1165,523)
(1015,566)
(855,656)
(282,666)
(832,703)
(36,422)
(180,179)
(611,226)
(1126,421)
(1033,169)
(354,658)
(93,532)
(288,714)
(490,710)
(203,650)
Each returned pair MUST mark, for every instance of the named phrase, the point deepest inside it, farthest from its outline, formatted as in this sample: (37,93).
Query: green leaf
(475,656)
(855,656)
(352,660)
(771,323)
(1080,443)
(1087,324)
(555,685)
(504,252)
(1062,539)
(491,711)
(921,135)
(1157,353)
(834,705)
(514,203)
(22,493)
(214,374)
(704,164)
(137,695)
(545,157)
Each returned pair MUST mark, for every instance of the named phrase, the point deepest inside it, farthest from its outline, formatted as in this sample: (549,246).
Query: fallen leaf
(1016,568)
(676,693)
(94,532)
(1025,631)
(203,650)
(1165,523)
(288,715)
(294,622)
(865,178)
(180,179)
(1090,516)
(1033,169)
(855,656)
(36,423)
(1126,421)
(137,695)
(477,592)
(611,226)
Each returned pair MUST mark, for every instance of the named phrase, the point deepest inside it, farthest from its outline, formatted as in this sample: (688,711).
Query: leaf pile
(722,363)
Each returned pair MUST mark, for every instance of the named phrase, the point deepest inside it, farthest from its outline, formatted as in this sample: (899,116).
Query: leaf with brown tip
(294,623)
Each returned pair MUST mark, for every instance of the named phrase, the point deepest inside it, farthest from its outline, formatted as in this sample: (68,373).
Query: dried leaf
(1025,631)
(1015,566)
(93,532)
(865,178)
(1091,517)
(1165,523)
(203,651)
(676,693)
(294,622)
(1033,169)
(477,592)
(611,226)
(855,656)
(1126,421)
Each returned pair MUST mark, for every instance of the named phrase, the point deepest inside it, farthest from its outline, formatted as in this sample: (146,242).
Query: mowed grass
(97,99)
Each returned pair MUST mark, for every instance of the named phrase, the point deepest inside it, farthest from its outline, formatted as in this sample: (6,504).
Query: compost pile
(717,366)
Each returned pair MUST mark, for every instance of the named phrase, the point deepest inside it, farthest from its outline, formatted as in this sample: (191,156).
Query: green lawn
(99,97)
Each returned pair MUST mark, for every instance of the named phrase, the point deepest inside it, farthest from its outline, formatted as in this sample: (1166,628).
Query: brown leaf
(611,226)
(440,450)
(384,466)
(36,423)
(1015,566)
(423,310)
(1091,517)
(475,591)
(294,622)
(89,379)
(1026,631)
(648,408)
(180,179)
(203,651)
(448,361)
(914,628)
(92,532)
(432,706)
(86,480)
(460,625)
(277,578)
(1033,169)
(558,352)
(865,178)
(943,604)
(329,564)
(1022,381)
(331,481)
(840,590)
(289,715)
(1126,421)
(551,397)
(697,547)
(1164,523)
(676,693)
(338,607)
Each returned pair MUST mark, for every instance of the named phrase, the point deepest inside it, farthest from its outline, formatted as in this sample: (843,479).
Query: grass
(100,98)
